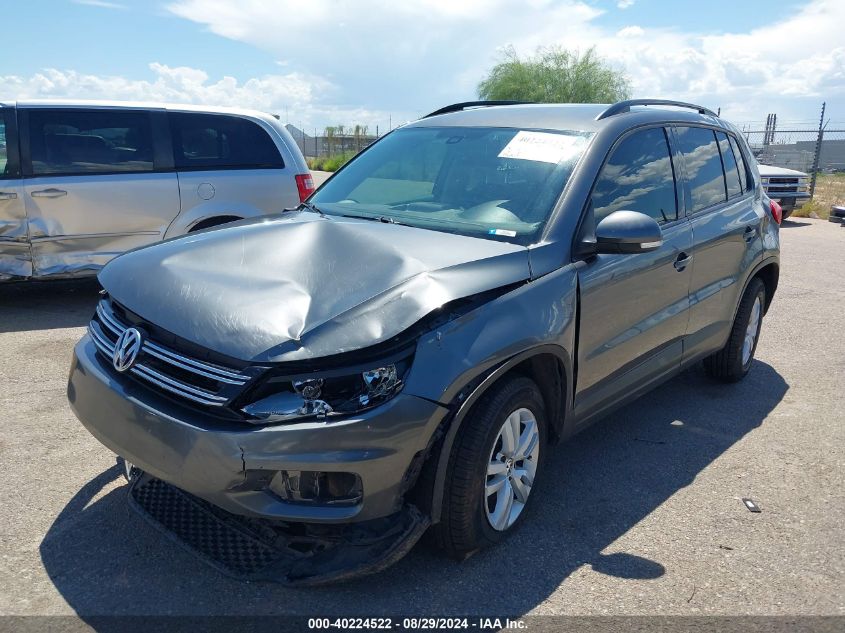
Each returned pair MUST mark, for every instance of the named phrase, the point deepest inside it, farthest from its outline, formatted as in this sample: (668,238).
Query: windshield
(497,183)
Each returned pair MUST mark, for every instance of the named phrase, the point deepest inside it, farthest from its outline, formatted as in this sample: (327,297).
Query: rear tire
(733,361)
(491,469)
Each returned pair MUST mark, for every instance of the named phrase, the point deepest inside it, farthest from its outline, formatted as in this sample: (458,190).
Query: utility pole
(818,154)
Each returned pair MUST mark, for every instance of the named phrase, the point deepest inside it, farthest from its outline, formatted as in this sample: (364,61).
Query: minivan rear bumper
(225,463)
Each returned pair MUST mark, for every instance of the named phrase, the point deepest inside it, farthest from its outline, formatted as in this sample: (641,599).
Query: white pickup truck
(789,187)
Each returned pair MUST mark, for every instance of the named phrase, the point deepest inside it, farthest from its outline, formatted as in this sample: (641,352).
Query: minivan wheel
(733,361)
(493,467)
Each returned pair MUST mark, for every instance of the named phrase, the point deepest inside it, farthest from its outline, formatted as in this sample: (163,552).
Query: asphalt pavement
(640,514)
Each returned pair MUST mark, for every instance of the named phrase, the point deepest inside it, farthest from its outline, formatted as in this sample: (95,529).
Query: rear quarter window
(744,179)
(217,141)
(734,185)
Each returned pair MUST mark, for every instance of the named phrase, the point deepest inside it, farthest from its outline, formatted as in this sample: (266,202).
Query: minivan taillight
(777,211)
(305,185)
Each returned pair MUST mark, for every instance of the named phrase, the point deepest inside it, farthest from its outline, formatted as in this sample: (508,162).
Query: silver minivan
(82,182)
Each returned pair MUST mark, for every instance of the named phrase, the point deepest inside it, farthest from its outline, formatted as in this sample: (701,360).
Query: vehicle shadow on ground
(46,305)
(106,560)
(791,224)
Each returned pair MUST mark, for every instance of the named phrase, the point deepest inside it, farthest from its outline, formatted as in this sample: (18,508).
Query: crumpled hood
(300,286)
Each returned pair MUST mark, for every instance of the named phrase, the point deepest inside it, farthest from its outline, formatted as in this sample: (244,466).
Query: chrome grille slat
(179,387)
(153,350)
(108,323)
(205,369)
(162,353)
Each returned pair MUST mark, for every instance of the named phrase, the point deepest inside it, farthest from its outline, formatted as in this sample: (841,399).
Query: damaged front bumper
(257,549)
(223,468)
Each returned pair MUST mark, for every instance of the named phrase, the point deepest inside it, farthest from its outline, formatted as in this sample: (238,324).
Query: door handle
(749,234)
(49,193)
(683,260)
(8,195)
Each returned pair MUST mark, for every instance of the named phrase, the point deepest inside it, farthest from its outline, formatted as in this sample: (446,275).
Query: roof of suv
(564,116)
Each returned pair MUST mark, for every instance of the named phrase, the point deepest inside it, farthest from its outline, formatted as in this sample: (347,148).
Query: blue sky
(322,62)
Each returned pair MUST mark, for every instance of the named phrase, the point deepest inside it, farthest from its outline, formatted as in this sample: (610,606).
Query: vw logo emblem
(126,349)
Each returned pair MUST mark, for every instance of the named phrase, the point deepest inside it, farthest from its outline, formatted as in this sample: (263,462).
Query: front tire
(733,361)
(493,467)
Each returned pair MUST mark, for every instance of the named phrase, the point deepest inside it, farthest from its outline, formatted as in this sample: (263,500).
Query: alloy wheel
(751,331)
(511,469)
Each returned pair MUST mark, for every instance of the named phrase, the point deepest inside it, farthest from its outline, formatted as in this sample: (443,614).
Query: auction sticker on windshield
(542,146)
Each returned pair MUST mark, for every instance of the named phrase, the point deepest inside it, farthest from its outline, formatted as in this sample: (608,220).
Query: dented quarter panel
(300,286)
(15,260)
(15,252)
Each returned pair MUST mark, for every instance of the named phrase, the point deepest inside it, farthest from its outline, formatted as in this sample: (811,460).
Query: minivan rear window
(75,141)
(219,141)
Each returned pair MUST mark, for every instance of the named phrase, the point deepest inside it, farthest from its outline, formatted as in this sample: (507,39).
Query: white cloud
(344,62)
(103,4)
(624,4)
(630,31)
(290,92)
(423,54)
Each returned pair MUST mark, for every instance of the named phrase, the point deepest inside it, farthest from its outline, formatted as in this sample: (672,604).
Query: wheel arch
(769,273)
(215,220)
(549,366)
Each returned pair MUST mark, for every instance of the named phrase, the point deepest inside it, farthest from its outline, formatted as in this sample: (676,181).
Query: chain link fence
(318,144)
(796,149)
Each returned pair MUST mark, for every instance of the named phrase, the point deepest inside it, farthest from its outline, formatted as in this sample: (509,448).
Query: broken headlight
(321,395)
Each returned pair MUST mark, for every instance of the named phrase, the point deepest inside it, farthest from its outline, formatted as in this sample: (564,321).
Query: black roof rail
(625,106)
(457,107)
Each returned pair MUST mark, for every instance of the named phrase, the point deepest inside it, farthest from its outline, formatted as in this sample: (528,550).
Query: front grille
(783,181)
(202,382)
(781,189)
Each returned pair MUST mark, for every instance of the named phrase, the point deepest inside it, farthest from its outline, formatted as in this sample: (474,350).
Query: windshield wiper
(312,207)
(378,218)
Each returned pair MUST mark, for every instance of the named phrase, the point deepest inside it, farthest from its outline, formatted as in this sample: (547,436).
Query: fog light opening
(317,487)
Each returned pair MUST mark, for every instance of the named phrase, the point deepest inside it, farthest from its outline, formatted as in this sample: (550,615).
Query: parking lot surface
(640,514)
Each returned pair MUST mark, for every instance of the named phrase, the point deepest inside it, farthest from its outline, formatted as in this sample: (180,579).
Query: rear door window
(638,176)
(74,141)
(217,141)
(740,163)
(732,181)
(703,166)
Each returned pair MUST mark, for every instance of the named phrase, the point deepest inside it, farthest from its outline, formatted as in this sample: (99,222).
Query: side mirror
(628,232)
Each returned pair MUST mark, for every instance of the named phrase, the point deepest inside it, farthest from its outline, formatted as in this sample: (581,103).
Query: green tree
(554,75)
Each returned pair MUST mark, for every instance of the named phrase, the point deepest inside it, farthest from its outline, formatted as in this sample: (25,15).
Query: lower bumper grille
(232,548)
(254,549)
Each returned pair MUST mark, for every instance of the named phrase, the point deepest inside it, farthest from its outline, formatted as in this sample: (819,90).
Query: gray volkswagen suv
(300,397)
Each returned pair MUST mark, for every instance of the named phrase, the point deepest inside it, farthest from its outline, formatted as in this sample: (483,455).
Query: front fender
(537,313)
(457,363)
